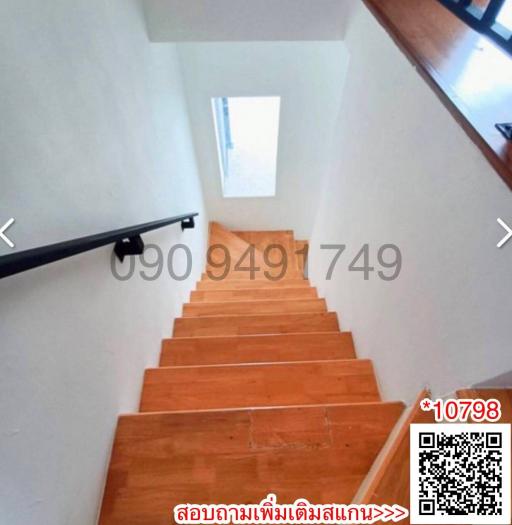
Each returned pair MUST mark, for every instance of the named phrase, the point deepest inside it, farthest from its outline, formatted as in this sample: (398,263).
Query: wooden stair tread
(237,244)
(318,453)
(258,391)
(244,284)
(258,294)
(257,348)
(283,238)
(258,385)
(219,235)
(302,250)
(254,307)
(388,479)
(256,324)
(503,395)
(272,275)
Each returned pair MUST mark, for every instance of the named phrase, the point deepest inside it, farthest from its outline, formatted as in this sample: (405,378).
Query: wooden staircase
(258,391)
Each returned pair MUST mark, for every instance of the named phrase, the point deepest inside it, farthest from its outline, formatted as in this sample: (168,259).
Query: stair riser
(250,249)
(261,240)
(200,388)
(264,274)
(254,349)
(263,294)
(254,308)
(302,249)
(258,324)
(233,284)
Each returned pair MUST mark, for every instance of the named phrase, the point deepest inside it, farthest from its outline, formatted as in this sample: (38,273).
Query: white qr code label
(460,474)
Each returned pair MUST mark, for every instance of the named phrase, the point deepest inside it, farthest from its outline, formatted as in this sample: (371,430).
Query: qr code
(460,474)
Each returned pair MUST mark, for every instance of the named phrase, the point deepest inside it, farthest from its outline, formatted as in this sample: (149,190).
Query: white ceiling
(245,20)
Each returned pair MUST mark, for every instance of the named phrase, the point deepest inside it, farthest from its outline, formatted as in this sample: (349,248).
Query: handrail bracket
(188,224)
(131,246)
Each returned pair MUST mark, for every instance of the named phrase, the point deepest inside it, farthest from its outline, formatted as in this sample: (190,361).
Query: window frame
(483,20)
(224,140)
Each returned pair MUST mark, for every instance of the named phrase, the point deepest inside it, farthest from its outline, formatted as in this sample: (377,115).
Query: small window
(490,17)
(247,131)
(505,15)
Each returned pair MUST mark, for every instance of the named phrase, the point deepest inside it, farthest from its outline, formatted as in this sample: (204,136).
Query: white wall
(406,173)
(239,20)
(309,77)
(94,136)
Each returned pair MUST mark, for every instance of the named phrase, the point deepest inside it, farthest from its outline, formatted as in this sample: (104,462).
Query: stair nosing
(245,409)
(266,363)
(257,301)
(341,332)
(259,315)
(252,335)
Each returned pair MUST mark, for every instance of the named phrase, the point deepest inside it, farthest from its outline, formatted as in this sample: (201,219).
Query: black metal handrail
(127,242)
(482,20)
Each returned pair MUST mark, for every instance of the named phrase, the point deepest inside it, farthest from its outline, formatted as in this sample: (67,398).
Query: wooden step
(302,251)
(234,244)
(237,244)
(255,324)
(262,240)
(185,351)
(318,453)
(238,284)
(254,307)
(258,385)
(503,395)
(388,479)
(272,275)
(258,294)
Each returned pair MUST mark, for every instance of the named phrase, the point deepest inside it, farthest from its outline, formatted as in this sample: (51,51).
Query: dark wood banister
(442,47)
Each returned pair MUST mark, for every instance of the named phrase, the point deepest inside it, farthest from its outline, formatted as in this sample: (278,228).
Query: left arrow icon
(4,237)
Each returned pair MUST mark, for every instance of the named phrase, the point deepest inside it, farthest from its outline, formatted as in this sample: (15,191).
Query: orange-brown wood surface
(261,250)
(248,284)
(232,243)
(390,480)
(255,324)
(302,251)
(258,385)
(276,245)
(319,453)
(254,307)
(259,294)
(503,395)
(470,74)
(245,405)
(256,349)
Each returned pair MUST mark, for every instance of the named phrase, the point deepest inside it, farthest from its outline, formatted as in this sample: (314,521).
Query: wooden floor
(258,391)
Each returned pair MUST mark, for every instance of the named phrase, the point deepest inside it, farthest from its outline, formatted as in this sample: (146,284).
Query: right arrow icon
(507,228)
